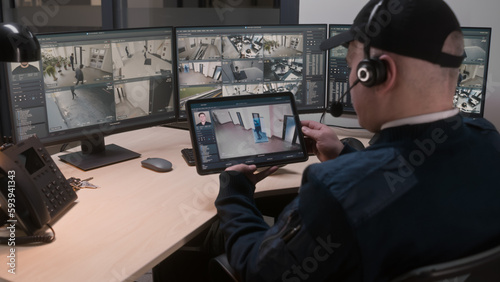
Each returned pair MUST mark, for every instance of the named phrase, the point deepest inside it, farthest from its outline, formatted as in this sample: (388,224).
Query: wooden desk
(136,218)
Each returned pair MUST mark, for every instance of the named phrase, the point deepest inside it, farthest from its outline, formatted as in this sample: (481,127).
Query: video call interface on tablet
(245,129)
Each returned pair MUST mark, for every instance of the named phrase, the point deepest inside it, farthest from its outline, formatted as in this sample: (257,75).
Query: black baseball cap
(413,28)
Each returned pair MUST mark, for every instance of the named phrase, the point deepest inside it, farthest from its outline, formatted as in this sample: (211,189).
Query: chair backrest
(481,267)
(220,270)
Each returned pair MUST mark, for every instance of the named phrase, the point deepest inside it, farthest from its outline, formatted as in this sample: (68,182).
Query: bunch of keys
(78,183)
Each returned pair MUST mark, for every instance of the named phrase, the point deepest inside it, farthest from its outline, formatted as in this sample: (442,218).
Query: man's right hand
(250,172)
(324,142)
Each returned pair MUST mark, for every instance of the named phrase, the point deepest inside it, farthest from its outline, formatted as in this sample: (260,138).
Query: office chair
(220,271)
(481,267)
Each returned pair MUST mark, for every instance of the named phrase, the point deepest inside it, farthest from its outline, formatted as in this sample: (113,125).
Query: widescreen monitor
(470,93)
(471,85)
(92,84)
(338,72)
(223,61)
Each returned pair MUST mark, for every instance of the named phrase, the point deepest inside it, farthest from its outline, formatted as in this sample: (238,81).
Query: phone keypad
(56,196)
(46,186)
(57,191)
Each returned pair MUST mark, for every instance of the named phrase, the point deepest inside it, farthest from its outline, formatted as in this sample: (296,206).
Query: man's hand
(249,171)
(323,142)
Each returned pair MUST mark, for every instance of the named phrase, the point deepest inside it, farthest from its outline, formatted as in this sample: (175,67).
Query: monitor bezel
(102,130)
(346,111)
(485,79)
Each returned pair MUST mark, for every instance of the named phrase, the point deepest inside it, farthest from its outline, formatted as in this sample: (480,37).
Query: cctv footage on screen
(242,60)
(87,79)
(248,131)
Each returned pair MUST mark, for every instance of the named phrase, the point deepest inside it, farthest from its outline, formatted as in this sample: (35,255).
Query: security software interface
(243,60)
(471,85)
(93,79)
(261,130)
(338,72)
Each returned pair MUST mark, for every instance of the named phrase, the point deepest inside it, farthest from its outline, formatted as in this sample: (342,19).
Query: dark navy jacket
(421,194)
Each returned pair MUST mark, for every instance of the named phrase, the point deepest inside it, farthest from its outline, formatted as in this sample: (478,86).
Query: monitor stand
(96,154)
(178,125)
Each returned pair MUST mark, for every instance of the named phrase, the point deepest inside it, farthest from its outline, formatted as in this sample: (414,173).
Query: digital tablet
(252,129)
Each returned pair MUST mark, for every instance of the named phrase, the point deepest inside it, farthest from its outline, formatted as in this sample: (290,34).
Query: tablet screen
(253,129)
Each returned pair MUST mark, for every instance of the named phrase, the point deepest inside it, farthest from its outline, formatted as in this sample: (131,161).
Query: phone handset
(33,191)
(22,196)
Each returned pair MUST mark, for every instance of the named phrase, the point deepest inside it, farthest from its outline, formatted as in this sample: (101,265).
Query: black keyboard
(188,155)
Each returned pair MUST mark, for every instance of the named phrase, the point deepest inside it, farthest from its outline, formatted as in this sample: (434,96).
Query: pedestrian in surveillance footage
(72,61)
(79,75)
(73,92)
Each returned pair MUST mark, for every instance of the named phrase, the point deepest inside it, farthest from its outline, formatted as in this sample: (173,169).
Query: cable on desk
(63,147)
(46,238)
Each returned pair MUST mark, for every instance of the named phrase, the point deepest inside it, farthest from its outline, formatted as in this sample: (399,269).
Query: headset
(370,71)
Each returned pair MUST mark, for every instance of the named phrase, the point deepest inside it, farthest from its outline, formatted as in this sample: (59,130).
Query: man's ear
(391,73)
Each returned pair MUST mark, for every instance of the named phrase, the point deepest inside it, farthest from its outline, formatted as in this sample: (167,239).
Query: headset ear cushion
(371,72)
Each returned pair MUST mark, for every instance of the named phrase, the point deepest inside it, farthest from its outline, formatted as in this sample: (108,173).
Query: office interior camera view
(230,61)
(243,131)
(472,76)
(88,79)
(254,130)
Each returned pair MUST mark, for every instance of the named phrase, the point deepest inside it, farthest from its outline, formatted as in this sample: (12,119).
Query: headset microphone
(336,109)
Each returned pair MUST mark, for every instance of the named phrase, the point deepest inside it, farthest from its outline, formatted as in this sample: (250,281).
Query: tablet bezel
(247,159)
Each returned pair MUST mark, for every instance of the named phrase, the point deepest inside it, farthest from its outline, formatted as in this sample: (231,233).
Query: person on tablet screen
(203,120)
(25,68)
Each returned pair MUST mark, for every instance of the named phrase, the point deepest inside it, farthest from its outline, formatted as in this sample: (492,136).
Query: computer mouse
(157,164)
(353,142)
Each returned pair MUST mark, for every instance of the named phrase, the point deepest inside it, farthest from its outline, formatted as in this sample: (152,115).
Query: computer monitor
(470,93)
(338,72)
(92,84)
(237,60)
(471,86)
